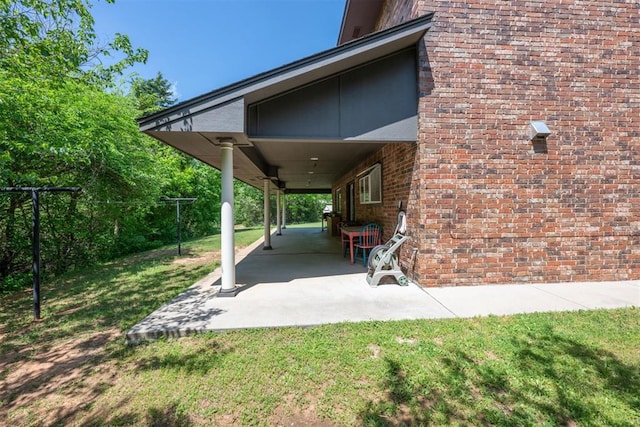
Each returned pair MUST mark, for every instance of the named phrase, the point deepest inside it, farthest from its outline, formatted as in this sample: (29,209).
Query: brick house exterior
(484,203)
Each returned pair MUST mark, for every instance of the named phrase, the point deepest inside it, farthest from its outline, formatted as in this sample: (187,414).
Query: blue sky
(201,45)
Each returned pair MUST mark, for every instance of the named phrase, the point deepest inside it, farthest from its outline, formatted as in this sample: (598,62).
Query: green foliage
(51,136)
(300,208)
(55,40)
(573,368)
(59,127)
(249,204)
(63,122)
(153,94)
(188,178)
(306,207)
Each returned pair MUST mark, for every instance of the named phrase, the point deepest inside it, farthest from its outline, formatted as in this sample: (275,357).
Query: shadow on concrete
(299,253)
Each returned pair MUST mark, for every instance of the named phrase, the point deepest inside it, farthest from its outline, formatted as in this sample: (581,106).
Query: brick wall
(395,12)
(486,204)
(399,182)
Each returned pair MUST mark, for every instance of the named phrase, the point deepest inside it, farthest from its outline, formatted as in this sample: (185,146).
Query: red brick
(482,206)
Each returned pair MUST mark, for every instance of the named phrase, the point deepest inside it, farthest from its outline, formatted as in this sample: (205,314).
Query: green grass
(578,368)
(306,225)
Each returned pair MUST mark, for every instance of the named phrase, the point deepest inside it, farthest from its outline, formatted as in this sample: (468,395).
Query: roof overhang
(197,126)
(359,19)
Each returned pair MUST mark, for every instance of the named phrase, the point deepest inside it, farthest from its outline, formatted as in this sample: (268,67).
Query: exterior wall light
(539,130)
(539,133)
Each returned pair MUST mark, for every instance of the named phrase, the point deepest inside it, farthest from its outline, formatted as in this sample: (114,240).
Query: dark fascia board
(298,72)
(307,191)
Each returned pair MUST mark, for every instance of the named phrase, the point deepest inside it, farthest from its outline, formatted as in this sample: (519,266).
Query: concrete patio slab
(597,294)
(470,301)
(305,281)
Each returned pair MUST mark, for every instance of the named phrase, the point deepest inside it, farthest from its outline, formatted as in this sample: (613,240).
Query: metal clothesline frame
(35,203)
(177,200)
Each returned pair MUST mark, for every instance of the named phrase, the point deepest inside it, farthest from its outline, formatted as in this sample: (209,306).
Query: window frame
(370,185)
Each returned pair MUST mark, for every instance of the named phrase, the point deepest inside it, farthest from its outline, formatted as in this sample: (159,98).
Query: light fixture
(539,130)
(314,159)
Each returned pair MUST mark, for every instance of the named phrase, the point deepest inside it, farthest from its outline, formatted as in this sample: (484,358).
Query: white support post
(267,216)
(284,209)
(278,227)
(227,217)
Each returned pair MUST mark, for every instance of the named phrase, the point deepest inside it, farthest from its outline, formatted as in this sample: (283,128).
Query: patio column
(278,227)
(267,216)
(284,213)
(227,233)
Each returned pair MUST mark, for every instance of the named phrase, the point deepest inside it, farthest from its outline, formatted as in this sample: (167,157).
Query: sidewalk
(305,281)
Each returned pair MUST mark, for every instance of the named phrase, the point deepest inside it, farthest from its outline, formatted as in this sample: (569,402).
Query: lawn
(74,368)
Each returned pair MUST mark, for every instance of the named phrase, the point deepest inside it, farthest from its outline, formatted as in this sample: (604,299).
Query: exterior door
(351,202)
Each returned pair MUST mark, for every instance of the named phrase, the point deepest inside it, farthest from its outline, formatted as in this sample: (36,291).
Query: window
(370,184)
(337,206)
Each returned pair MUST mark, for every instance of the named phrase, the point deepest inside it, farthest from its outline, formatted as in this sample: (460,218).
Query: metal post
(178,221)
(35,241)
(36,253)
(284,211)
(227,249)
(267,216)
(178,225)
(278,223)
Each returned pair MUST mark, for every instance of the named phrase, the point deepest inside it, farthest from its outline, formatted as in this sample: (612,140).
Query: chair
(344,238)
(370,237)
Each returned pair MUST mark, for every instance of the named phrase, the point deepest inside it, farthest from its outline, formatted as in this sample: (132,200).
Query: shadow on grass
(199,360)
(84,316)
(403,406)
(171,415)
(551,379)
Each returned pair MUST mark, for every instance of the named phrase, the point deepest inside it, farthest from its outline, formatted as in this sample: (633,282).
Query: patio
(306,281)
(303,281)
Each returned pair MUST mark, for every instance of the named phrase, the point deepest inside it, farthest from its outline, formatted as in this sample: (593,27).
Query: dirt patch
(291,413)
(490,355)
(47,386)
(207,257)
(301,419)
(375,350)
(70,310)
(410,341)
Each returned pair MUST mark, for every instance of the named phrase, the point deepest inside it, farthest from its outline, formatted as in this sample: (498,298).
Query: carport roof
(197,126)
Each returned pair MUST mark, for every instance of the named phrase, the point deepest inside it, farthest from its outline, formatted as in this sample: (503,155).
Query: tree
(153,94)
(51,136)
(63,122)
(52,82)
(55,40)
(305,207)
(249,205)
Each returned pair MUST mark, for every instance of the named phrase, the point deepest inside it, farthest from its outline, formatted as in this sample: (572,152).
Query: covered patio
(301,127)
(307,281)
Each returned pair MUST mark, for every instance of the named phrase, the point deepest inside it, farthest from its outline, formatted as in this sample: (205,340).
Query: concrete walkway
(306,281)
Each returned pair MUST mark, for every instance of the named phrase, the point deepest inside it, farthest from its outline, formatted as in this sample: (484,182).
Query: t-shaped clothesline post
(178,200)
(35,198)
